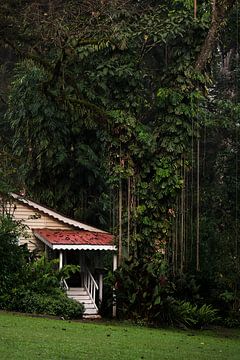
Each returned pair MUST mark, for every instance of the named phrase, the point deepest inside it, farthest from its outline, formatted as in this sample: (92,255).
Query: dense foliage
(144,292)
(26,301)
(119,118)
(12,257)
(28,285)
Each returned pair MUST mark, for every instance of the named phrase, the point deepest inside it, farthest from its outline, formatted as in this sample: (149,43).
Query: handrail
(64,284)
(90,285)
(94,281)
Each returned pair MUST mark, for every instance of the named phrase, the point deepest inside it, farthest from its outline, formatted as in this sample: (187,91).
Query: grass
(24,337)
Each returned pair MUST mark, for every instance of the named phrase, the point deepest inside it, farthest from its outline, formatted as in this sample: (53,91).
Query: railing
(90,285)
(64,284)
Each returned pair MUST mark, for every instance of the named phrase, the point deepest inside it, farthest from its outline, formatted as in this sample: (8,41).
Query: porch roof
(75,239)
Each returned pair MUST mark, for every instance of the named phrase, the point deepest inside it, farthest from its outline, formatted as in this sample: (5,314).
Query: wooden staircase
(81,295)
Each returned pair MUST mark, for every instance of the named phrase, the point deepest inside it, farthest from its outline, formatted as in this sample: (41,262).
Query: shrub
(144,291)
(186,287)
(12,256)
(44,277)
(231,322)
(30,302)
(206,315)
(190,315)
(31,286)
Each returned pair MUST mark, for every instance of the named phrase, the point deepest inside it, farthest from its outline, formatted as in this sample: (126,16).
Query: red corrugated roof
(72,237)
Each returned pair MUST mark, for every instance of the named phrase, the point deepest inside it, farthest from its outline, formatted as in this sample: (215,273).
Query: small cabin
(73,243)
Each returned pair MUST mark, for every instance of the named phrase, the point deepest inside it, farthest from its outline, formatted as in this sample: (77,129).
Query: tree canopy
(125,114)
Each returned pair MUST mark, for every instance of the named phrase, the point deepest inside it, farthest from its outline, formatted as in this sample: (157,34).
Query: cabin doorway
(73,258)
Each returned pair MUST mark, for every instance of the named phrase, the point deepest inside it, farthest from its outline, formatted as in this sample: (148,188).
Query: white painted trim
(83,247)
(75,247)
(56,215)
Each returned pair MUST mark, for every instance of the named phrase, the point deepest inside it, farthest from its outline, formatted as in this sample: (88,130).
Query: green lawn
(23,337)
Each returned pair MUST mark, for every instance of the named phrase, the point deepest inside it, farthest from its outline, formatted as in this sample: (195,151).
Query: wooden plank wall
(34,219)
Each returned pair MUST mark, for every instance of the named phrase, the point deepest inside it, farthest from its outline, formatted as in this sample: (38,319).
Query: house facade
(73,243)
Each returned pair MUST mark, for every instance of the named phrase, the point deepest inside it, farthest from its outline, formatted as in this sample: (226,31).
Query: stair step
(92,316)
(84,301)
(80,294)
(76,289)
(90,312)
(89,306)
(80,298)
(83,293)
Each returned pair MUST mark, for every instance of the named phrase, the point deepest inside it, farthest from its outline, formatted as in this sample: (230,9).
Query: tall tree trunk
(220,8)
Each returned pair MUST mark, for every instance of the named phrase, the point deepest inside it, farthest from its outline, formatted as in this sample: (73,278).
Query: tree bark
(220,8)
(195,9)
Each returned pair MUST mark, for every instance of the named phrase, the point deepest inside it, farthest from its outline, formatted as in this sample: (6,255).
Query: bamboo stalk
(120,203)
(128,215)
(120,223)
(176,236)
(195,9)
(198,204)
(182,219)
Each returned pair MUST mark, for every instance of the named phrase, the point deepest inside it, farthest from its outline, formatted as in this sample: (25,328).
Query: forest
(124,114)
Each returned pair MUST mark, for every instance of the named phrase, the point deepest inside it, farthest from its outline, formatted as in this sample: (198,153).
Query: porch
(87,249)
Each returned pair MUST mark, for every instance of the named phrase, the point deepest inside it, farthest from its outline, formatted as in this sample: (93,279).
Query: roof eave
(83,247)
(74,246)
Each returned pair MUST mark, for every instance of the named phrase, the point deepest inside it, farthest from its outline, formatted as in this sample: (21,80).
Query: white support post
(100,288)
(114,310)
(60,259)
(114,262)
